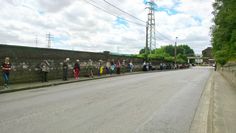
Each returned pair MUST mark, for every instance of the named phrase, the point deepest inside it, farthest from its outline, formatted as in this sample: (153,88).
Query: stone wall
(26,60)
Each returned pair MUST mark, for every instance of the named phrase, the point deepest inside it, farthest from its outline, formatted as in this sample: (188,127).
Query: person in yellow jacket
(101,70)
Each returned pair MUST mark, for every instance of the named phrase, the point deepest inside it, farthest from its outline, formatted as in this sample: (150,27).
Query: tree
(185,50)
(224,31)
(142,51)
(170,49)
(167,53)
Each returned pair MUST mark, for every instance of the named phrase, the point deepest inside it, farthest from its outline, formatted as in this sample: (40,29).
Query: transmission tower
(49,39)
(151,27)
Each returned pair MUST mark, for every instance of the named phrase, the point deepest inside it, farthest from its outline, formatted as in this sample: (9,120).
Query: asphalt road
(160,102)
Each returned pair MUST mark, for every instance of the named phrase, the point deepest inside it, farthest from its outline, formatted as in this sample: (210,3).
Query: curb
(81,80)
(65,82)
(202,118)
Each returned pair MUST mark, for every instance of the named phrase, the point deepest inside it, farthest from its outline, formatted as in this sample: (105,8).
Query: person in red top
(6,68)
(76,69)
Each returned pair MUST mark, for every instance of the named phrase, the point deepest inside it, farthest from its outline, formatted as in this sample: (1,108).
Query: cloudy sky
(97,25)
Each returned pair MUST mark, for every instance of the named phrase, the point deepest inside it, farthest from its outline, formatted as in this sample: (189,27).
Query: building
(207,52)
(208,56)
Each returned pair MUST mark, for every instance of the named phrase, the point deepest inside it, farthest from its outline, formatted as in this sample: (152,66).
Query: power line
(118,11)
(111,13)
(105,8)
(124,11)
(164,36)
(111,8)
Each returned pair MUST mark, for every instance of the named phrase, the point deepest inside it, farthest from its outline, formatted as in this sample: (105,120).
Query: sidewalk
(216,112)
(35,85)
(224,105)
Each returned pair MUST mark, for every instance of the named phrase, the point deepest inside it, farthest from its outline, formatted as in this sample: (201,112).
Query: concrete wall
(26,60)
(229,72)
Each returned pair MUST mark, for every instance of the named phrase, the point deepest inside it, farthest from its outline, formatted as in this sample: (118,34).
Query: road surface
(160,102)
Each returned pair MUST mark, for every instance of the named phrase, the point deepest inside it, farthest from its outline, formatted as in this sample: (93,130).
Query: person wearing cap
(76,69)
(6,68)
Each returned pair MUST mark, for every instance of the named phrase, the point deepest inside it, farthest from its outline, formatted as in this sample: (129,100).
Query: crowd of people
(100,66)
(110,67)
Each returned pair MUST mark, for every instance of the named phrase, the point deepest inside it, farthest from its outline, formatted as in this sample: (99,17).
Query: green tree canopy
(180,49)
(224,30)
(142,51)
(167,53)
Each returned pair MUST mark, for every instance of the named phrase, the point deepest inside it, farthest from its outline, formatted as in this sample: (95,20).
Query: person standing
(45,69)
(76,70)
(147,66)
(108,67)
(144,66)
(90,68)
(215,67)
(123,66)
(161,66)
(150,66)
(118,67)
(6,68)
(99,65)
(113,66)
(65,69)
(131,66)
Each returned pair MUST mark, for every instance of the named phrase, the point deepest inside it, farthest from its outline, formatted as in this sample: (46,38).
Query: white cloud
(80,26)
(52,6)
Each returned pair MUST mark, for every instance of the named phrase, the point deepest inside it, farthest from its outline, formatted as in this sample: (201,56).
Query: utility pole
(49,38)
(151,25)
(175,49)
